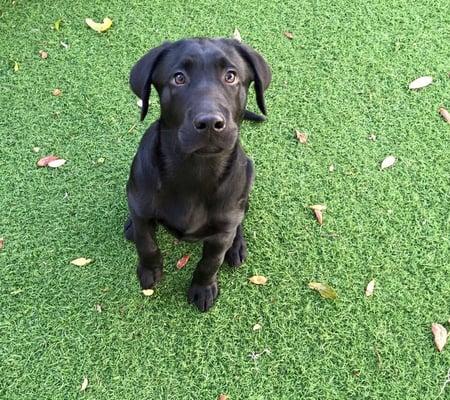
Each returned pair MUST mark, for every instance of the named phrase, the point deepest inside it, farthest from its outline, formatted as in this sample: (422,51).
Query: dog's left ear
(141,75)
(261,72)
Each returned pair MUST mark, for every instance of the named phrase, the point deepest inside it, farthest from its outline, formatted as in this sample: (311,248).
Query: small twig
(134,126)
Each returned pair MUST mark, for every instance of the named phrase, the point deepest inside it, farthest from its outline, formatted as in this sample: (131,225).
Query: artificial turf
(343,77)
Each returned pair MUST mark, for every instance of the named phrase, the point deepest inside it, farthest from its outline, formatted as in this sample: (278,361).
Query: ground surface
(343,77)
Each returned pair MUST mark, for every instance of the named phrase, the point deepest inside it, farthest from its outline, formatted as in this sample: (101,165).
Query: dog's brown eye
(230,76)
(179,78)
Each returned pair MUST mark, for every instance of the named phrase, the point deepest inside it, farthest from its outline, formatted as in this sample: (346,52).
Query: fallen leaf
(43,54)
(372,137)
(183,261)
(237,35)
(43,162)
(389,161)
(324,290)
(16,66)
(17,291)
(99,27)
(257,327)
(57,24)
(81,262)
(2,243)
(301,137)
(370,287)
(139,103)
(258,280)
(440,336)
(56,163)
(289,35)
(84,384)
(331,168)
(36,149)
(56,92)
(421,82)
(65,45)
(223,397)
(318,212)
(148,292)
(98,308)
(101,160)
(445,114)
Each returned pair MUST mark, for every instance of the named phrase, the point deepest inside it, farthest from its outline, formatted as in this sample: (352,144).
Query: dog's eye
(179,78)
(230,77)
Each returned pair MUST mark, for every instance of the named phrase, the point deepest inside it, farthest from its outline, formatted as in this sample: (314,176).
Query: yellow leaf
(324,290)
(57,25)
(440,336)
(148,292)
(99,27)
(16,66)
(81,262)
(84,384)
(258,280)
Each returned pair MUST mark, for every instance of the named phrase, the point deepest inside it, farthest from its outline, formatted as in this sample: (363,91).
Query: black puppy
(190,173)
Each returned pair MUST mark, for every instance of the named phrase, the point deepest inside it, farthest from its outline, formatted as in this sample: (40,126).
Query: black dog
(190,172)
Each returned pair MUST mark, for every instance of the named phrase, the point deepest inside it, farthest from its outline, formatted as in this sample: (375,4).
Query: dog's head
(202,86)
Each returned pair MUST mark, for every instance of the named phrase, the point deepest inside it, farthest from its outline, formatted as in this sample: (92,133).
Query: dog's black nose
(209,122)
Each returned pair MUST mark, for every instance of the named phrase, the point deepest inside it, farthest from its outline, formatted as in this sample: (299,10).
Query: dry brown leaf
(324,290)
(56,163)
(289,35)
(147,292)
(223,397)
(370,288)
(97,26)
(84,384)
(56,92)
(181,263)
(257,327)
(237,35)
(258,280)
(301,137)
(421,82)
(2,243)
(388,162)
(440,336)
(81,262)
(318,212)
(43,162)
(445,114)
(43,54)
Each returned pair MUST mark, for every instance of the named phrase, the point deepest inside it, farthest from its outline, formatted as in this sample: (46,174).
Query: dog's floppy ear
(261,72)
(141,75)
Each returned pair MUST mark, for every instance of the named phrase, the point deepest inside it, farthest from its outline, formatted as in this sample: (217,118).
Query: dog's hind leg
(237,253)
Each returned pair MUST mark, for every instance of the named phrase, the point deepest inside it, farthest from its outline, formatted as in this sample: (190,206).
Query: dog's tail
(251,116)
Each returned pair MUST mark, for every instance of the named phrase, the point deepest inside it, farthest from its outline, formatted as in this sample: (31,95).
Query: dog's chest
(192,218)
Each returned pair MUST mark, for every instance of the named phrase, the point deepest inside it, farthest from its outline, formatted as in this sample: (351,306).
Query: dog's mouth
(208,150)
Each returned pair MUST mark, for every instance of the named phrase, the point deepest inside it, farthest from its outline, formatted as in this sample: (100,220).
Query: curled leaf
(388,162)
(97,26)
(258,280)
(421,82)
(147,292)
(81,262)
(324,290)
(43,162)
(43,54)
(301,137)
(223,397)
(440,336)
(183,261)
(445,114)
(84,384)
(289,35)
(237,35)
(318,212)
(257,327)
(370,288)
(56,163)
(56,92)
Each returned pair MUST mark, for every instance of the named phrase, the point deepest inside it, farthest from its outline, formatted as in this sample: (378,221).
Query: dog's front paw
(149,277)
(203,296)
(237,253)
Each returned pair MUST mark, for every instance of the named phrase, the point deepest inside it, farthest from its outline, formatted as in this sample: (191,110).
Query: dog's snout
(209,122)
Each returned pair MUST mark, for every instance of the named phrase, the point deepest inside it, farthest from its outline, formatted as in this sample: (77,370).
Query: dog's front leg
(150,266)
(204,289)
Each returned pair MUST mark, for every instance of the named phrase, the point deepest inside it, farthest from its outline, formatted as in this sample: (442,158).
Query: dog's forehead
(205,52)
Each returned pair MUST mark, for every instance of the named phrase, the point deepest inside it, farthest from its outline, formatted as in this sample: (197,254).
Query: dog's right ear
(141,75)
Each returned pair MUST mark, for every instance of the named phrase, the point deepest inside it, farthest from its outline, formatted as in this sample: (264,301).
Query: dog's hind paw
(203,296)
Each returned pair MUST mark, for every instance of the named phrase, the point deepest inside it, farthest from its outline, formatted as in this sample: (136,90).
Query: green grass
(343,77)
